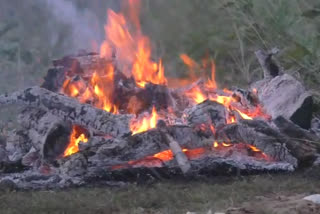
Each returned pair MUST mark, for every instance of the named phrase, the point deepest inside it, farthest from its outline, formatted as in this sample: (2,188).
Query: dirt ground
(264,193)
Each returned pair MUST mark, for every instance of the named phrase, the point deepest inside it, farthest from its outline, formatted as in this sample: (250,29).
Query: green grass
(164,197)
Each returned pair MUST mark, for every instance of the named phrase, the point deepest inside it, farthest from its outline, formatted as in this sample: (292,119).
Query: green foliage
(232,30)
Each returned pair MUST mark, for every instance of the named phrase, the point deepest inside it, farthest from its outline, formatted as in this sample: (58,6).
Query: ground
(216,194)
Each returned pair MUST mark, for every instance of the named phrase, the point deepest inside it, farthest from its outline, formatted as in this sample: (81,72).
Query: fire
(145,124)
(132,47)
(211,83)
(75,138)
(100,88)
(215,144)
(252,148)
(133,51)
(243,115)
(197,95)
(192,65)
(168,155)
(103,90)
(144,70)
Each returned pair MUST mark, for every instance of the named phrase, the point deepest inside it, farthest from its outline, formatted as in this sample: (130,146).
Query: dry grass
(164,197)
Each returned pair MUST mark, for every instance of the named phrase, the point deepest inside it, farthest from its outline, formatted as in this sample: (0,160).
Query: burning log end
(269,66)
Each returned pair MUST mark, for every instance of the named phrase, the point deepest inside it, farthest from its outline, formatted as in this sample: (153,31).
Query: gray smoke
(84,25)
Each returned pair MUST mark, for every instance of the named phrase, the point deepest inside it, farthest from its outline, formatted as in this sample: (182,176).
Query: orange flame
(191,64)
(75,138)
(145,124)
(196,95)
(103,90)
(243,115)
(164,155)
(211,83)
(168,155)
(132,47)
(100,88)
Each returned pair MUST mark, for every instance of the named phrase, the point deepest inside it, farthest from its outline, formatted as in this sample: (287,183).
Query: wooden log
(180,157)
(69,109)
(175,147)
(283,95)
(38,123)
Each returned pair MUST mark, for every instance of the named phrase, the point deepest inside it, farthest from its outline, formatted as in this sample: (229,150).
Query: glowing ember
(145,124)
(226,144)
(243,115)
(75,138)
(215,144)
(166,155)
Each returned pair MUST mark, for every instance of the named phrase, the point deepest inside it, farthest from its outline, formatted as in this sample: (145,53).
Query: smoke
(87,30)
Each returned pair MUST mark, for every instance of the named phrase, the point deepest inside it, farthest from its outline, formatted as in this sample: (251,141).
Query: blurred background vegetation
(33,32)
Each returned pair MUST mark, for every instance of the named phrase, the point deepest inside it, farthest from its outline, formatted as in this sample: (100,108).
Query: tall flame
(132,47)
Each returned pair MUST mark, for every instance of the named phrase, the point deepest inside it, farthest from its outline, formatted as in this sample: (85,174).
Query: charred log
(301,143)
(69,109)
(207,113)
(259,134)
(118,151)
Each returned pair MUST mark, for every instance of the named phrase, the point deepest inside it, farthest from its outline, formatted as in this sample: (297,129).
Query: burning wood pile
(114,116)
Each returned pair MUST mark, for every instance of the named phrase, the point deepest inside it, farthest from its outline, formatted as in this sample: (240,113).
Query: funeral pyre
(115,116)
